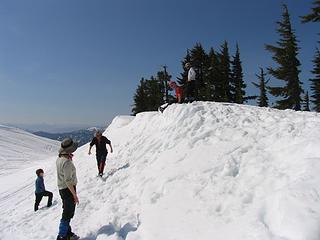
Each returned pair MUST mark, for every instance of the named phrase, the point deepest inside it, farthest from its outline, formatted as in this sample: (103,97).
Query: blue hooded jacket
(40,185)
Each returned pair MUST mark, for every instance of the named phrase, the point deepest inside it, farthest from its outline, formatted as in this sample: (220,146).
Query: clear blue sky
(79,61)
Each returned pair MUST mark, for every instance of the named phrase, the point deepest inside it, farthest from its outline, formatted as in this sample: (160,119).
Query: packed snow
(197,171)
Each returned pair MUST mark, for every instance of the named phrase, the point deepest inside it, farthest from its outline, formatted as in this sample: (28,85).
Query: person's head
(68,147)
(187,65)
(39,172)
(173,84)
(98,134)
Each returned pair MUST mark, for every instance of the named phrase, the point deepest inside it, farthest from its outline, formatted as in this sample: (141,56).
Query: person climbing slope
(178,90)
(41,191)
(101,143)
(67,181)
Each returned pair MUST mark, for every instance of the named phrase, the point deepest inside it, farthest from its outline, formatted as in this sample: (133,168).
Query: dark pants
(69,207)
(39,197)
(101,162)
(191,91)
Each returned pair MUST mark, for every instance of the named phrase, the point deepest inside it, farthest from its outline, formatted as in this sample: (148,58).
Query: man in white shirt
(191,83)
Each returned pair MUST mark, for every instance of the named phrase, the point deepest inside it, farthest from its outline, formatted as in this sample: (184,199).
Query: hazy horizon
(52,128)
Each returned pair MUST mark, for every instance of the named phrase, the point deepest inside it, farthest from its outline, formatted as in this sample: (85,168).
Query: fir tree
(148,96)
(315,82)
(237,82)
(164,79)
(139,98)
(184,75)
(213,75)
(263,100)
(285,54)
(223,89)
(306,102)
(199,60)
(314,16)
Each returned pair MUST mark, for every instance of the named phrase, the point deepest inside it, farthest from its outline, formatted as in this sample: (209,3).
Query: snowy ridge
(198,171)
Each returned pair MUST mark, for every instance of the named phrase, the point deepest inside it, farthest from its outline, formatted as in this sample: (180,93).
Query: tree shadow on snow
(110,229)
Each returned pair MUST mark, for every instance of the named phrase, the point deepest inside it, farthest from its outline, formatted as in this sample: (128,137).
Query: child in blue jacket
(41,191)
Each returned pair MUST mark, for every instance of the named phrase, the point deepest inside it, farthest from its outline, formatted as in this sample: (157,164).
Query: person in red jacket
(178,90)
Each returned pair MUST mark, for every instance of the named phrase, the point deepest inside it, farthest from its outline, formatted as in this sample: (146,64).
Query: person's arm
(90,150)
(37,185)
(68,178)
(111,149)
(43,188)
(91,145)
(74,194)
(110,145)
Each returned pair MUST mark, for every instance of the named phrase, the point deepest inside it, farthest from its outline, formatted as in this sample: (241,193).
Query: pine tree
(164,79)
(223,88)
(314,16)
(306,102)
(139,98)
(199,60)
(315,82)
(237,82)
(263,100)
(213,75)
(285,54)
(184,75)
(148,96)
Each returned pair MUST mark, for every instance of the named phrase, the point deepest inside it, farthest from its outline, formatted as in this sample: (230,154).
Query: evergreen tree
(223,89)
(306,102)
(164,79)
(199,60)
(184,75)
(148,96)
(285,54)
(315,82)
(139,98)
(237,82)
(212,76)
(314,16)
(263,100)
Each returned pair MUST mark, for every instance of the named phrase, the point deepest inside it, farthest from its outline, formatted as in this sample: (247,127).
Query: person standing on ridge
(67,181)
(101,150)
(191,83)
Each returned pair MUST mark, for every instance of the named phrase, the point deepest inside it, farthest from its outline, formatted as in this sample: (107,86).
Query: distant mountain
(83,136)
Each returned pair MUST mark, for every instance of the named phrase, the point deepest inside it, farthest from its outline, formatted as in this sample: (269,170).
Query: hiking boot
(73,236)
(62,238)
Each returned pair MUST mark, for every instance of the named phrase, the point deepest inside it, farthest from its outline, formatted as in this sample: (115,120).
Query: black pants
(191,90)
(101,162)
(39,197)
(68,204)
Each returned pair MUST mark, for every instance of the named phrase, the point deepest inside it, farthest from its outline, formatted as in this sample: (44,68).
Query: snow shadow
(110,229)
(111,173)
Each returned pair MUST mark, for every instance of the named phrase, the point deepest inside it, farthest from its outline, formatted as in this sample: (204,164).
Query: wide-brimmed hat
(68,146)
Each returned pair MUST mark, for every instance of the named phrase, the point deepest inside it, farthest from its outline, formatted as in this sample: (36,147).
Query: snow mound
(198,171)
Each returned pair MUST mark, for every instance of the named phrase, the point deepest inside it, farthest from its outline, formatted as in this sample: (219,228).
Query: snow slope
(198,171)
(20,149)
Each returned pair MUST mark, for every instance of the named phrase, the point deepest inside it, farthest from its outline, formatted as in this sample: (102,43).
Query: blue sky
(69,62)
